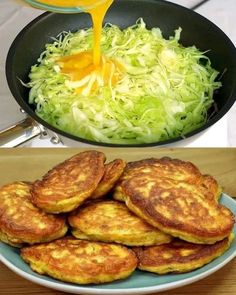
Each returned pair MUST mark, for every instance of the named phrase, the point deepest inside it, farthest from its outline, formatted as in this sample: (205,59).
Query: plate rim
(126,291)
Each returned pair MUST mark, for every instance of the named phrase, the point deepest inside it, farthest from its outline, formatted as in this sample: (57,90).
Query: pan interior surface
(196,30)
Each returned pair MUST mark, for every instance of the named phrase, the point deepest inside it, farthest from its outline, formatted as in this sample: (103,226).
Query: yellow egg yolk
(89,68)
(86,75)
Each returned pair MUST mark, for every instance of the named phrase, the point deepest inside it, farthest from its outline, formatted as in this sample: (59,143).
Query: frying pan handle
(20,133)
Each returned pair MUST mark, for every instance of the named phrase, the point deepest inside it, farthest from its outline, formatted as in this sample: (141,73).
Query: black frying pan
(156,13)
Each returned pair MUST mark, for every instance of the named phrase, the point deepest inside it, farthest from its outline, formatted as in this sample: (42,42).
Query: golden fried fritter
(169,168)
(81,262)
(164,167)
(111,221)
(70,183)
(10,240)
(179,256)
(178,208)
(113,171)
(21,222)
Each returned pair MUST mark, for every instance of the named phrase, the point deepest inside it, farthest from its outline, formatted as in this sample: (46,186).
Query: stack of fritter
(165,218)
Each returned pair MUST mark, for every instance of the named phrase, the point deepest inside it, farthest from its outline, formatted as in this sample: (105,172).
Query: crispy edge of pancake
(190,237)
(91,270)
(12,234)
(182,264)
(192,170)
(175,232)
(88,223)
(113,172)
(206,181)
(10,240)
(211,184)
(68,203)
(20,242)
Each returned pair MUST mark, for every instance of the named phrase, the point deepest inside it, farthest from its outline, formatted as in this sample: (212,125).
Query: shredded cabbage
(166,92)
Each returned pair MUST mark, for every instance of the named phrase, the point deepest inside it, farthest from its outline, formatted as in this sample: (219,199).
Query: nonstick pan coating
(196,30)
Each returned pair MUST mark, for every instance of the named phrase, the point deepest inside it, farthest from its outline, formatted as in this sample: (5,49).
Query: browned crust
(84,262)
(21,221)
(163,167)
(178,256)
(103,214)
(75,179)
(113,171)
(166,167)
(209,183)
(112,221)
(178,208)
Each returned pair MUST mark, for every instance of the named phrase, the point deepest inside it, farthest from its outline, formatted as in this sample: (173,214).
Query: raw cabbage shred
(165,93)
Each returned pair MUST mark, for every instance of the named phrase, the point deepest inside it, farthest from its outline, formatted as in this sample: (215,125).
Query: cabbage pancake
(111,221)
(70,183)
(178,208)
(179,256)
(81,262)
(21,222)
(170,168)
(113,171)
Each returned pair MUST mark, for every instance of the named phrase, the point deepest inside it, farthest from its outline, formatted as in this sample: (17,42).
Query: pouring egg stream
(89,70)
